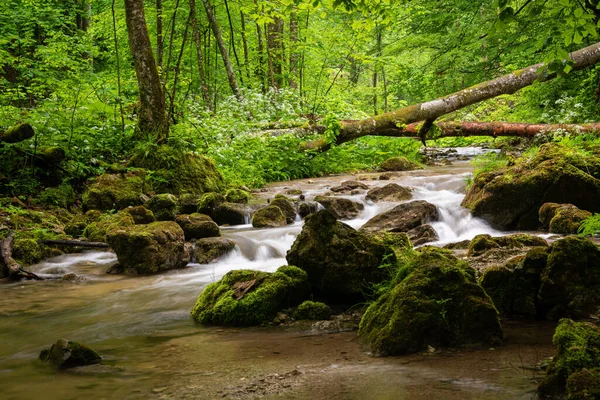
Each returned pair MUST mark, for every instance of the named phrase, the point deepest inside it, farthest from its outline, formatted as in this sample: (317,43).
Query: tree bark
(507,84)
(159,33)
(196,34)
(152,117)
(294,56)
(245,44)
(275,50)
(214,25)
(17,133)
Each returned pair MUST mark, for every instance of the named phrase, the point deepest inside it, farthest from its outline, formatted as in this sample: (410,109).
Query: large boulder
(140,214)
(69,354)
(148,249)
(434,301)
(115,191)
(481,244)
(509,198)
(341,208)
(286,207)
(269,217)
(398,164)
(562,218)
(234,213)
(422,234)
(97,231)
(209,202)
(574,372)
(248,297)
(403,217)
(339,260)
(180,171)
(559,281)
(210,250)
(197,226)
(165,206)
(392,192)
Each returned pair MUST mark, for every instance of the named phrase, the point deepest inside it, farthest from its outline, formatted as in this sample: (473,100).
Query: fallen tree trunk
(78,243)
(9,268)
(17,133)
(429,111)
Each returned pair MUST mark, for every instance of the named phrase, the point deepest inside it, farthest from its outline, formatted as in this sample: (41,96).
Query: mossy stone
(79,222)
(210,250)
(562,218)
(116,191)
(197,226)
(189,203)
(398,164)
(66,354)
(248,297)
(27,251)
(237,196)
(268,217)
(140,214)
(62,196)
(97,231)
(313,311)
(286,207)
(165,206)
(209,202)
(437,303)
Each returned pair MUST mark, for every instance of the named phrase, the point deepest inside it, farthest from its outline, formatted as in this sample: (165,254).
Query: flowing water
(151,347)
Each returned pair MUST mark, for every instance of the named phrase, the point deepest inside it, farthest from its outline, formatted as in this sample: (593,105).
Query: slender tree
(199,54)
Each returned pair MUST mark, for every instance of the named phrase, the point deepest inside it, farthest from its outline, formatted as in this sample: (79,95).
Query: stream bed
(152,349)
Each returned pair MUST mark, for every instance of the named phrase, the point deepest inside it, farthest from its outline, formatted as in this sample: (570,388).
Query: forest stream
(151,348)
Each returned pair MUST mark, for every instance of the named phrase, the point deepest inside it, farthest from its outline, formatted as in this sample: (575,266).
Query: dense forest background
(229,70)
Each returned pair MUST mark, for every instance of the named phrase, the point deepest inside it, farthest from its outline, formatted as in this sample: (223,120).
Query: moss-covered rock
(234,213)
(422,234)
(237,196)
(181,171)
(210,250)
(269,217)
(306,208)
(197,226)
(165,206)
(398,164)
(312,311)
(571,279)
(189,203)
(62,196)
(403,217)
(76,226)
(68,354)
(436,301)
(248,297)
(97,231)
(115,192)
(340,261)
(27,251)
(341,208)
(480,244)
(140,214)
(148,249)
(510,197)
(209,202)
(286,207)
(562,218)
(391,192)
(574,371)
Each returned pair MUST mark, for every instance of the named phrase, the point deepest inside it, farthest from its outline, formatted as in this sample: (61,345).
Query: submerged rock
(435,301)
(510,197)
(339,260)
(165,206)
(148,249)
(69,354)
(398,164)
(209,250)
(562,218)
(403,217)
(269,217)
(197,226)
(574,372)
(341,208)
(247,297)
(115,192)
(391,192)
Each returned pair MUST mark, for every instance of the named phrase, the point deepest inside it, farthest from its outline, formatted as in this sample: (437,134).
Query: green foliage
(333,128)
(489,162)
(590,226)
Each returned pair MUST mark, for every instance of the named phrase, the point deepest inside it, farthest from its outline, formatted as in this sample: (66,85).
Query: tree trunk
(275,50)
(294,56)
(152,118)
(84,14)
(159,33)
(214,25)
(245,43)
(260,68)
(232,42)
(196,34)
(507,84)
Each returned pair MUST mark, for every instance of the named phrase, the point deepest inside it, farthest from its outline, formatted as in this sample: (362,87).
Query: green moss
(68,354)
(574,369)
(223,303)
(62,196)
(209,202)
(438,302)
(79,222)
(115,192)
(482,243)
(237,196)
(286,207)
(312,310)
(268,217)
(398,164)
(97,231)
(181,172)
(212,249)
(189,203)
(27,251)
(197,226)
(140,214)
(165,206)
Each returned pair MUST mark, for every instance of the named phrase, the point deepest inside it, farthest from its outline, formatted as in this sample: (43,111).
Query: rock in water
(286,207)
(209,250)
(398,164)
(306,208)
(403,217)
(562,218)
(391,192)
(574,372)
(422,234)
(341,208)
(68,354)
(269,217)
(247,297)
(197,226)
(510,197)
(339,260)
(234,213)
(312,311)
(434,302)
(148,249)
